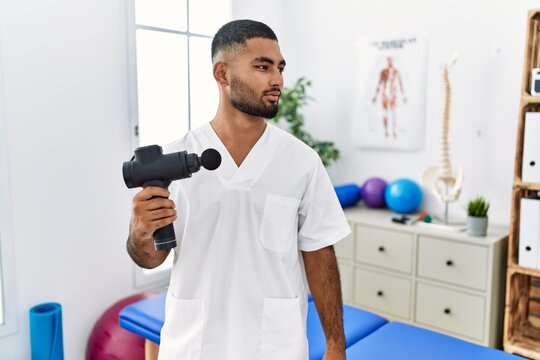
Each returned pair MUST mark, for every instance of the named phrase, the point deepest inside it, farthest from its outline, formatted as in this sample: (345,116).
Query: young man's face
(256,78)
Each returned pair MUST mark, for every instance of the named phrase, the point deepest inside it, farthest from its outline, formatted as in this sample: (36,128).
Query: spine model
(445,165)
(443,181)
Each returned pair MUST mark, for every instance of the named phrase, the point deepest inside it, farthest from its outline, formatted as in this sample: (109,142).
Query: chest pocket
(278,222)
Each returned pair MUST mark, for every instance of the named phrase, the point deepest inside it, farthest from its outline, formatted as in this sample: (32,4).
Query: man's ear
(220,73)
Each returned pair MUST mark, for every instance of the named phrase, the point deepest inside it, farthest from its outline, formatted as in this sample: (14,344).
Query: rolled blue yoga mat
(348,195)
(46,332)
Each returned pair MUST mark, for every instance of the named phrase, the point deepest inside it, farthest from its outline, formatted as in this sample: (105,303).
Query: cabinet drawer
(345,248)
(383,293)
(385,248)
(457,263)
(449,310)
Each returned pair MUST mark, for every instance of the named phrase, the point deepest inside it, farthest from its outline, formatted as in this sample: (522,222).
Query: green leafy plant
(478,207)
(291,101)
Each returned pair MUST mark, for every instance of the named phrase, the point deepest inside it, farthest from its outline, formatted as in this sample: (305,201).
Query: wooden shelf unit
(522,301)
(527,186)
(516,269)
(526,98)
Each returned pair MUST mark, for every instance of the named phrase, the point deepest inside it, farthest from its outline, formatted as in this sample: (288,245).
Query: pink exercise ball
(108,341)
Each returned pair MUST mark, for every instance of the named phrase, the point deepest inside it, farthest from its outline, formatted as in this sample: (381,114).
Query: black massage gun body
(150,167)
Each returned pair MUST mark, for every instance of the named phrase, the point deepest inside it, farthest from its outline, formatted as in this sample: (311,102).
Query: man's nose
(277,79)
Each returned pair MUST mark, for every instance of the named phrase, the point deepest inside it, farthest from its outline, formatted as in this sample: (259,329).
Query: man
(389,80)
(246,231)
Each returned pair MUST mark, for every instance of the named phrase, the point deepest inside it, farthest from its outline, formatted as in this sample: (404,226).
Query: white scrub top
(237,289)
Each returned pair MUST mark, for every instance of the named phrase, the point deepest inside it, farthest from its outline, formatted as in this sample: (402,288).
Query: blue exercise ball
(348,195)
(403,196)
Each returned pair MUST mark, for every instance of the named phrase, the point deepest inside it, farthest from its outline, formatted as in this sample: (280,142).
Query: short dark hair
(237,32)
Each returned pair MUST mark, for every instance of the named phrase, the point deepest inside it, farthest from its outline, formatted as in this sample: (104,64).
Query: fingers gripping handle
(164,238)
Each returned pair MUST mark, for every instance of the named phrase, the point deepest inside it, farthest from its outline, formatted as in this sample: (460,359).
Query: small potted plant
(477,219)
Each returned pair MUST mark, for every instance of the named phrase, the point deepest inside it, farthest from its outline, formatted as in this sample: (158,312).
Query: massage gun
(150,167)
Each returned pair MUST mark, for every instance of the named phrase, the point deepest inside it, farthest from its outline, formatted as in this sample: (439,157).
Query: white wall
(317,39)
(64,66)
(270,13)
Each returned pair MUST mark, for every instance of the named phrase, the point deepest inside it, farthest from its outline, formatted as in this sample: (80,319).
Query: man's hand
(151,210)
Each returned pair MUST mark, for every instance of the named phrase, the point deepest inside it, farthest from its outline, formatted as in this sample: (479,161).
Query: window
(172,89)
(8,311)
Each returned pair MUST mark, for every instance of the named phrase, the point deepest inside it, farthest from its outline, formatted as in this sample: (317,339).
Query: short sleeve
(321,221)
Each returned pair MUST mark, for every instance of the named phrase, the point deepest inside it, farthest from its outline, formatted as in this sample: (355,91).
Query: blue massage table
(408,342)
(369,336)
(146,317)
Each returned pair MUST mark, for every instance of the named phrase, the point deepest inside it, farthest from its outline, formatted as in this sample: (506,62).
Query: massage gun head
(210,159)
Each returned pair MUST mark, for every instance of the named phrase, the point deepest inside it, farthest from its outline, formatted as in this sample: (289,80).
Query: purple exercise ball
(373,192)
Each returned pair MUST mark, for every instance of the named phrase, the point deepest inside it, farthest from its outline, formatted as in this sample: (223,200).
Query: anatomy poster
(390,93)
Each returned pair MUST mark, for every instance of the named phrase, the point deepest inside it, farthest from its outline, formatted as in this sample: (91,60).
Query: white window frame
(159,279)
(7,253)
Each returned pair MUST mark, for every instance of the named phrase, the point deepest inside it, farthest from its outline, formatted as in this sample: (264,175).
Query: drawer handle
(449,263)
(447,311)
(382,249)
(528,248)
(380,293)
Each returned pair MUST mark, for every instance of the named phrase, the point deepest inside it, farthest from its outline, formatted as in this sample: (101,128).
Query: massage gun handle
(164,238)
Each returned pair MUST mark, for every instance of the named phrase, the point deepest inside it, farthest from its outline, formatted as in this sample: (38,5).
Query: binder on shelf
(529,232)
(531,148)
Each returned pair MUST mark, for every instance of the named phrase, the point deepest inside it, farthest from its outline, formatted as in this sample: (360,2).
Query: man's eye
(262,67)
(281,70)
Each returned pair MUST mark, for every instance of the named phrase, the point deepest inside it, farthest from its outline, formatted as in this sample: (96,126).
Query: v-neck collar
(253,164)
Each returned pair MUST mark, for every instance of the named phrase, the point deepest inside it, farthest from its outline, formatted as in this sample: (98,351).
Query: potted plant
(292,99)
(477,219)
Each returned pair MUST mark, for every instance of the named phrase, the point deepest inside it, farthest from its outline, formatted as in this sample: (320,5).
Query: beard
(245,99)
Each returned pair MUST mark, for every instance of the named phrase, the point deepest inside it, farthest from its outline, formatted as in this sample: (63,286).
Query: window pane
(167,14)
(204,90)
(207,16)
(162,87)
